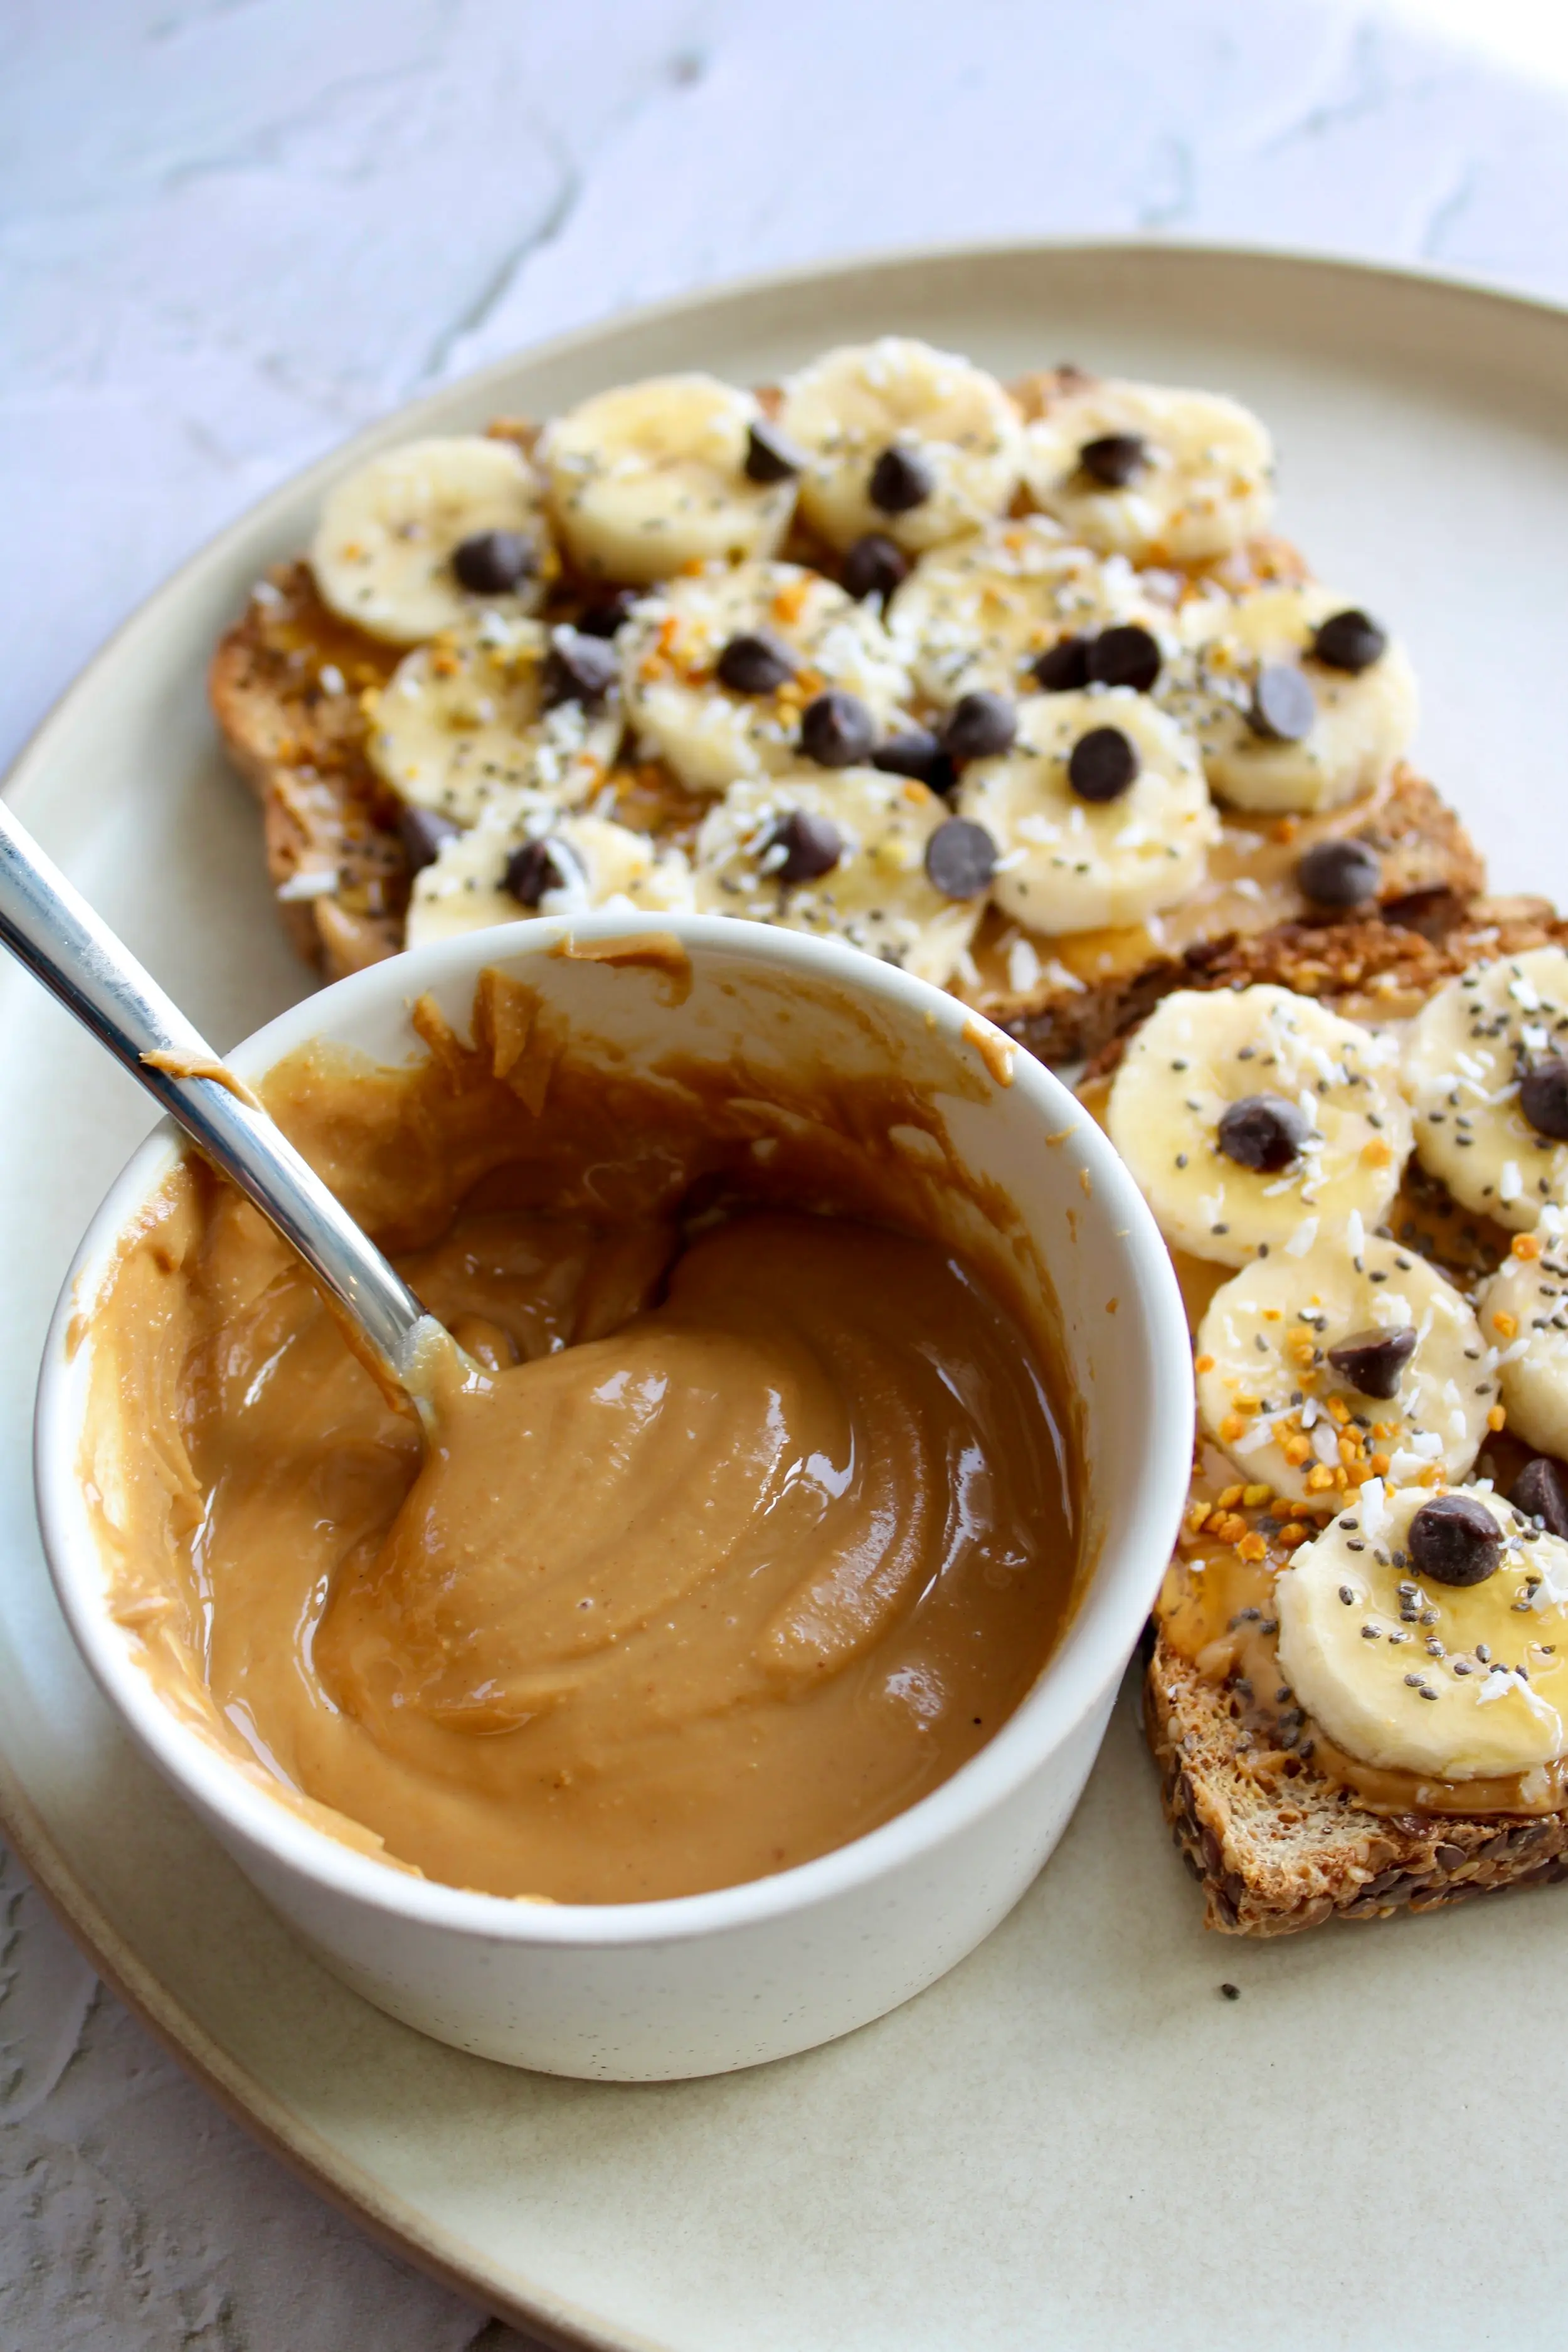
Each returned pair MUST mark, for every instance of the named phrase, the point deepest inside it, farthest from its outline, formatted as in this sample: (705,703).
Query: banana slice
(1457,1681)
(844,856)
(1486,1066)
(805,637)
(1308,1364)
(1137,469)
(391,538)
(571,864)
(913,444)
(1524,1315)
(1072,863)
(976,616)
(652,477)
(470,721)
(1283,727)
(1255,1119)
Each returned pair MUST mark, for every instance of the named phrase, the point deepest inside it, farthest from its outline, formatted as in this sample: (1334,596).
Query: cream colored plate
(1074,2139)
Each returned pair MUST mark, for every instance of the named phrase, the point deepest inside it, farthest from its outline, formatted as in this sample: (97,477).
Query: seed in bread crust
(1541,1492)
(1283,705)
(960,859)
(980,726)
(1102,764)
(901,479)
(491,562)
(1115,459)
(1372,1360)
(1125,655)
(1543,1097)
(1263,1132)
(874,566)
(1339,874)
(1350,640)
(812,844)
(837,729)
(1453,1539)
(756,662)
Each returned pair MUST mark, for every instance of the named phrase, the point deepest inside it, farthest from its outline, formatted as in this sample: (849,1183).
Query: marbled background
(233,230)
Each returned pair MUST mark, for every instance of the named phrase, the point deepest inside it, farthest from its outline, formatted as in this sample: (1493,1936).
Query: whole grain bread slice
(292,689)
(1276,1841)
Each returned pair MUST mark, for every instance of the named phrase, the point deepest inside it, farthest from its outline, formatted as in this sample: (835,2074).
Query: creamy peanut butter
(752,1515)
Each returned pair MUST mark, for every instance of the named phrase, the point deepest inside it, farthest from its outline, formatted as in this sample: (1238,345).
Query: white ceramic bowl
(702,1983)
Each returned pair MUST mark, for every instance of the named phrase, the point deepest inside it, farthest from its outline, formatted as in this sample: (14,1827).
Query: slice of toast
(291,685)
(1276,1841)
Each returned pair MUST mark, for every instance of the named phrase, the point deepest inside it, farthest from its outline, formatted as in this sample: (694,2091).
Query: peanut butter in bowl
(752,1510)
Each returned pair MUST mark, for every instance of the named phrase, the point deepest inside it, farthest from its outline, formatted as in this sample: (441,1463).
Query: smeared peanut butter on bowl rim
(756,1509)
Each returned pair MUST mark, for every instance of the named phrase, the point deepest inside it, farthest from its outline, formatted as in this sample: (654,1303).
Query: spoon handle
(50,927)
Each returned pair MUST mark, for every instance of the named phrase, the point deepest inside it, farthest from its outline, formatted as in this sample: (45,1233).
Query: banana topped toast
(1008,686)
(1355,1142)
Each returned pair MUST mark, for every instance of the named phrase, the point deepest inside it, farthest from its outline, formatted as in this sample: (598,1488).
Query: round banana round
(975,616)
(1483,1054)
(842,856)
(1524,1315)
(1072,865)
(1255,1119)
(465,723)
(383,556)
(1282,730)
(1272,1394)
(1143,470)
(711,734)
(912,443)
(651,477)
(1456,1683)
(585,862)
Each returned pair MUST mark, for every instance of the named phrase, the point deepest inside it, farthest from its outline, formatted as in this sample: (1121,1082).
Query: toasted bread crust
(1276,1848)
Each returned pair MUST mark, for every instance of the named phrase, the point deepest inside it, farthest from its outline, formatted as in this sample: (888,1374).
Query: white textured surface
(229,233)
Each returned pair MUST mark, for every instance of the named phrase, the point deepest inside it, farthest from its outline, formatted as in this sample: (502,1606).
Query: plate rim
(390,2221)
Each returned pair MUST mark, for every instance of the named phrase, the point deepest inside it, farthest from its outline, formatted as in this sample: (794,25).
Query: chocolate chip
(1115,458)
(1125,655)
(1372,1362)
(1541,1492)
(979,725)
(915,751)
(532,870)
(755,663)
(421,833)
(772,455)
(1350,640)
(875,566)
(837,729)
(1063,669)
(1283,706)
(1453,1539)
(1543,1097)
(1339,874)
(812,844)
(1263,1132)
(608,614)
(1102,764)
(580,669)
(901,477)
(493,562)
(961,859)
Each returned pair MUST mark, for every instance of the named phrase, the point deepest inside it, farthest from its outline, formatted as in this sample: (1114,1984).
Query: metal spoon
(50,927)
